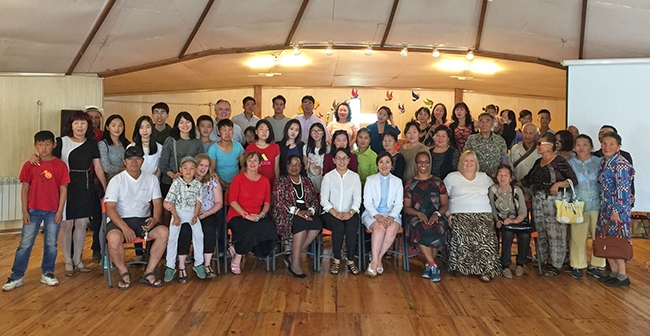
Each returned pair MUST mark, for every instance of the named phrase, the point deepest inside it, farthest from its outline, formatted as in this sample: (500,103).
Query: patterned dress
(616,177)
(425,198)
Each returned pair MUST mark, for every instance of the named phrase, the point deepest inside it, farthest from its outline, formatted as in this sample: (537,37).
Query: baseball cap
(133,151)
(94,108)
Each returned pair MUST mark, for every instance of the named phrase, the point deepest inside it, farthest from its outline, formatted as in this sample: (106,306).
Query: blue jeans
(28,236)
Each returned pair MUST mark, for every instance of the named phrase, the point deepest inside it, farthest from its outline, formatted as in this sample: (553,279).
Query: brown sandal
(125,285)
(209,272)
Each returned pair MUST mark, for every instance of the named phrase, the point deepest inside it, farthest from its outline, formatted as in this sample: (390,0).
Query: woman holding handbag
(511,218)
(549,173)
(616,176)
(586,167)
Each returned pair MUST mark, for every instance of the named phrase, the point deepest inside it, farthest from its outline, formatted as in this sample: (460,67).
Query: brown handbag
(613,247)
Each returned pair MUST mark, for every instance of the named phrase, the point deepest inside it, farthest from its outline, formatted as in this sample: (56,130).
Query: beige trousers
(578,247)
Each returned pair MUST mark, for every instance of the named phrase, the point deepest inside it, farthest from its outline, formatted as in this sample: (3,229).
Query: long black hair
(176,133)
(311,143)
(285,132)
(337,133)
(137,139)
(107,135)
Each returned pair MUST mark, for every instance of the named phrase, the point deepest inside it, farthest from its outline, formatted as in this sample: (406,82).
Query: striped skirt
(473,245)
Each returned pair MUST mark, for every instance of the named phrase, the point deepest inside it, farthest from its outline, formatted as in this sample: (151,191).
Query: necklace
(295,190)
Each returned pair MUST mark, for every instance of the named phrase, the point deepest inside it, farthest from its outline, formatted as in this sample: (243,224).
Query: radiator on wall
(10,205)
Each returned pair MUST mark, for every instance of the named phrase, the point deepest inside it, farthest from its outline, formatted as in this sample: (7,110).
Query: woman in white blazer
(383,198)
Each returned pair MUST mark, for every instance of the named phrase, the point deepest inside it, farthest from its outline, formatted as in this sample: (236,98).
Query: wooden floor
(261,303)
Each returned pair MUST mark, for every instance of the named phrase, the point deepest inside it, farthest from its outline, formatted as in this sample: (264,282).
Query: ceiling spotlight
(329,51)
(296,48)
(369,50)
(436,52)
(470,55)
(405,50)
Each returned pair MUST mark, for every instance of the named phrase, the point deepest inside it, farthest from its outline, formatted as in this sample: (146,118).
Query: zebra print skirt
(474,246)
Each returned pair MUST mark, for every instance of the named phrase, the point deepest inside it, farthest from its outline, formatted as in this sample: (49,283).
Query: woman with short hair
(295,212)
(549,173)
(616,177)
(473,244)
(250,202)
(383,199)
(341,201)
(425,202)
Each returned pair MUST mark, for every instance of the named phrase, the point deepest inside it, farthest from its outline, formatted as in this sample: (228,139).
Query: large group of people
(461,190)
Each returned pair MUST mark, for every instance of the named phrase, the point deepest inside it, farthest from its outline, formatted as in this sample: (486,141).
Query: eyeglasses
(159,113)
(317,131)
(338,158)
(294,165)
(539,143)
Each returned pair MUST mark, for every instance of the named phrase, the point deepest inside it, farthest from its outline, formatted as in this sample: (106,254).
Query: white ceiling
(45,36)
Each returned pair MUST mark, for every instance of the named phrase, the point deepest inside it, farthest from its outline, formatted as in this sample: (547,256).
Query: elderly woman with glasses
(549,173)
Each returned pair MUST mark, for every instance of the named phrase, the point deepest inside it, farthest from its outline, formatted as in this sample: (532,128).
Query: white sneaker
(11,284)
(49,279)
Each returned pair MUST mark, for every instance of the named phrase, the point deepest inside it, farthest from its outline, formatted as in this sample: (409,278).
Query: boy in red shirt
(44,191)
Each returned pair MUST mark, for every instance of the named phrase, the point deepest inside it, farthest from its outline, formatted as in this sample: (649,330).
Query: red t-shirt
(251,195)
(44,182)
(267,166)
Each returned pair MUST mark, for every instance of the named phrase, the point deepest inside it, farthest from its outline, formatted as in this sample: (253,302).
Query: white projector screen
(614,92)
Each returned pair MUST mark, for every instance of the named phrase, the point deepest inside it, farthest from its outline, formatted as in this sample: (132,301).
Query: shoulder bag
(613,247)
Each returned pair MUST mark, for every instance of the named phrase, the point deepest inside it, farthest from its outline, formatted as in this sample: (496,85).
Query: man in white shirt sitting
(128,198)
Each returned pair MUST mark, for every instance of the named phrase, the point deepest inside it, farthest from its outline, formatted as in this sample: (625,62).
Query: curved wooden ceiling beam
(91,35)
(296,22)
(481,22)
(583,22)
(390,23)
(198,24)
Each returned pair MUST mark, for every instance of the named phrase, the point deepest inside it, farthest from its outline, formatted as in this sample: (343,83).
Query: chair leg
(107,261)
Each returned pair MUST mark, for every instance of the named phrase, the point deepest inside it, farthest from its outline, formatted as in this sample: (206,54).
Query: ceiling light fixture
(296,48)
(405,50)
(369,49)
(470,55)
(329,51)
(436,52)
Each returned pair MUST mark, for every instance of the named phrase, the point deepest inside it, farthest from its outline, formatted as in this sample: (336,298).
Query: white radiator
(10,205)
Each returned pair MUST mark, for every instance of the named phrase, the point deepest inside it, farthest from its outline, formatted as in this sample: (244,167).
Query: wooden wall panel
(19,111)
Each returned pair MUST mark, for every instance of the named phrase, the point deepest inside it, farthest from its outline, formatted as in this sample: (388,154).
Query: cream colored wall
(29,104)
(557,107)
(371,100)
(131,107)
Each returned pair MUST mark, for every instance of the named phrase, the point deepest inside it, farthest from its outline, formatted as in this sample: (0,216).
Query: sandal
(552,273)
(82,268)
(484,278)
(156,283)
(123,284)
(209,272)
(352,267)
(182,276)
(380,269)
(335,267)
(370,272)
(69,270)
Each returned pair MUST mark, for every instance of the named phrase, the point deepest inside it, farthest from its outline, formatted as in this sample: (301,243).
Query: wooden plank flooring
(261,303)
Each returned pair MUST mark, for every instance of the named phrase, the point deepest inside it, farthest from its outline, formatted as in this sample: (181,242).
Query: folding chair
(106,261)
(399,247)
(319,248)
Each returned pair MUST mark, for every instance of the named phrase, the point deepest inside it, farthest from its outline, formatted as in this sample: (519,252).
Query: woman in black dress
(80,153)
